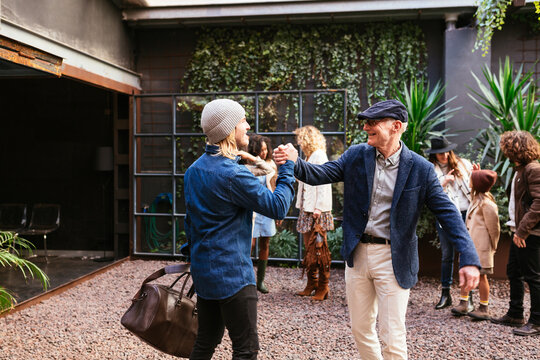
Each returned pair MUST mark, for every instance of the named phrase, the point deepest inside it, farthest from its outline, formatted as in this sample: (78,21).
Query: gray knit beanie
(220,117)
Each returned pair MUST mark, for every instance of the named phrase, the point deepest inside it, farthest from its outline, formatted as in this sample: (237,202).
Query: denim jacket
(221,196)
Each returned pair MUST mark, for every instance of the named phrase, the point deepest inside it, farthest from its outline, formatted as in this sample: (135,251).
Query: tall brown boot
(312,283)
(323,291)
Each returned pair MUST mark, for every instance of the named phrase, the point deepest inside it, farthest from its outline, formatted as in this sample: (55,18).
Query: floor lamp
(104,164)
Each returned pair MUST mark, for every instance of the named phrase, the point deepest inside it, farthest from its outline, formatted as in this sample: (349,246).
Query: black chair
(45,219)
(12,217)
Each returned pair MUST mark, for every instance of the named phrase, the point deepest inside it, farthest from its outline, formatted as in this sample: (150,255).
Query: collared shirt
(384,181)
(512,206)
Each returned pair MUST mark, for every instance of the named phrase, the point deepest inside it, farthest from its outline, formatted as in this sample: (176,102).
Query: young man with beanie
(221,196)
(385,187)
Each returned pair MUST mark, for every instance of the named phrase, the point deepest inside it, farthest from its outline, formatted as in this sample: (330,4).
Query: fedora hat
(440,145)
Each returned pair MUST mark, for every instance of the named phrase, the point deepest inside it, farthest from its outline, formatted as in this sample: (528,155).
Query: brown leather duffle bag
(162,316)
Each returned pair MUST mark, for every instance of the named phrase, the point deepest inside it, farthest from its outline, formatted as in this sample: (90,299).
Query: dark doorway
(50,130)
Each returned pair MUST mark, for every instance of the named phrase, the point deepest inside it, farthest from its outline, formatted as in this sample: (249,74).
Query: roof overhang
(47,56)
(231,12)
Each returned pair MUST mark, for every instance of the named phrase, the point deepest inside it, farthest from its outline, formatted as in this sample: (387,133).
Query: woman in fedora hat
(454,174)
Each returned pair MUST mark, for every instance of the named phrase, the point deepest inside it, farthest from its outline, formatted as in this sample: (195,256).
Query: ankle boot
(261,271)
(446,299)
(482,313)
(461,309)
(312,282)
(464,307)
(322,291)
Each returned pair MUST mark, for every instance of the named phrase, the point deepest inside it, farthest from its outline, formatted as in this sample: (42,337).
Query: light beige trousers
(374,294)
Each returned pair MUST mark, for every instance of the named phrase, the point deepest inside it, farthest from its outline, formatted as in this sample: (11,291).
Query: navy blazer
(416,186)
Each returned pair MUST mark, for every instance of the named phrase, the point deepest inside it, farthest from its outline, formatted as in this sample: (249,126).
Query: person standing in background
(483,224)
(263,227)
(454,173)
(315,217)
(523,150)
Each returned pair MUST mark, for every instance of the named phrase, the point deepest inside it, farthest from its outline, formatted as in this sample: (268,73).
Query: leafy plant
(528,19)
(426,112)
(284,245)
(364,59)
(335,240)
(507,103)
(490,15)
(10,245)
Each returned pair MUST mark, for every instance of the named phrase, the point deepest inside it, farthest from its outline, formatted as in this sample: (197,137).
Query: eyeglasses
(372,122)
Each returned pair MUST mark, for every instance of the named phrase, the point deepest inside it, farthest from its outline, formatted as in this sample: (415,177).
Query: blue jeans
(448,252)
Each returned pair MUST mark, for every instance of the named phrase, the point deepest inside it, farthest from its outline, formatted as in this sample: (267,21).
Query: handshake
(285,152)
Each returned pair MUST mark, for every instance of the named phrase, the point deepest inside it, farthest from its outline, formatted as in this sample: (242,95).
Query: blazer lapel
(405,165)
(369,162)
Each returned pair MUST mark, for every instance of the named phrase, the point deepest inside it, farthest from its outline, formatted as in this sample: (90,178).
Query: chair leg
(45,247)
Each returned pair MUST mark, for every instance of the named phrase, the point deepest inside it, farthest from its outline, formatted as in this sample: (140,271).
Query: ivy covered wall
(367,59)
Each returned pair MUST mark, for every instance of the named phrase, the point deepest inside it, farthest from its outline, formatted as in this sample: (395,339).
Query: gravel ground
(84,323)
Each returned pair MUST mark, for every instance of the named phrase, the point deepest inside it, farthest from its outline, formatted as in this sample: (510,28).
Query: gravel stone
(84,323)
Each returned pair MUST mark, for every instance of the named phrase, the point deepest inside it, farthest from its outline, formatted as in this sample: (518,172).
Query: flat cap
(385,109)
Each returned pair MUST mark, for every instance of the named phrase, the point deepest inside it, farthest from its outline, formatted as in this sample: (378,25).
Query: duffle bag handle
(169,269)
(191,290)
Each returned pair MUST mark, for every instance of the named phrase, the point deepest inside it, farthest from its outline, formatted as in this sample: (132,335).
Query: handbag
(162,316)
(317,253)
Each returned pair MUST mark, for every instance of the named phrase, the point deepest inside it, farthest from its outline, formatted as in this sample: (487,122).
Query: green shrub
(284,245)
(335,240)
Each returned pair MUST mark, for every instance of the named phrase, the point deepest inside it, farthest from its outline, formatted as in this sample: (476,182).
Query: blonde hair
(228,147)
(489,195)
(311,139)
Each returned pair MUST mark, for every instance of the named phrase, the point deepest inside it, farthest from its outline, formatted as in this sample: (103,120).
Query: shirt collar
(394,158)
(211,149)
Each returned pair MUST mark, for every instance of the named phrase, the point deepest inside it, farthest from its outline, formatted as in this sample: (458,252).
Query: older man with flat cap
(385,187)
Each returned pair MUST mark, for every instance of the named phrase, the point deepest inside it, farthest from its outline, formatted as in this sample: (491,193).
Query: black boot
(446,299)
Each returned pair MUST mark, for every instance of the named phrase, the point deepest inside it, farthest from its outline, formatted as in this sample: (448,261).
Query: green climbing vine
(490,15)
(365,59)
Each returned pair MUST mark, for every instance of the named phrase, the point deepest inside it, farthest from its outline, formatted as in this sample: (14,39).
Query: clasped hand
(285,152)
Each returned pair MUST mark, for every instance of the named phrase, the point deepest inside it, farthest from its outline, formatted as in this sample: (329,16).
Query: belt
(369,239)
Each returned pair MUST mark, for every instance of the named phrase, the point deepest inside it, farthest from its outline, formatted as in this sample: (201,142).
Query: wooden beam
(97,80)
(25,55)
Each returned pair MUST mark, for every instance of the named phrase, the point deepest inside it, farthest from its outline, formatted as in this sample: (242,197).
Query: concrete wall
(459,62)
(162,58)
(94,26)
(513,42)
